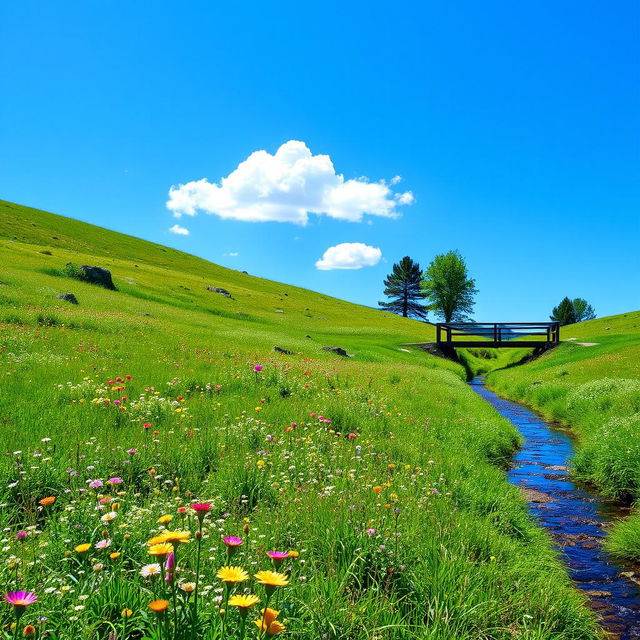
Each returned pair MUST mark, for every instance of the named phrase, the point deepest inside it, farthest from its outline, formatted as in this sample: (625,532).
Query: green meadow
(378,476)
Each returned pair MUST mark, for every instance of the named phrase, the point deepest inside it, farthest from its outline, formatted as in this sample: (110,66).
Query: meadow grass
(595,390)
(380,474)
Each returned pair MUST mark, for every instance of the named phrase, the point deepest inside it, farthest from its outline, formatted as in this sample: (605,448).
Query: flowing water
(575,517)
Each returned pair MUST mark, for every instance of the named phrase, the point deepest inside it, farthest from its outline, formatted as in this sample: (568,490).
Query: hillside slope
(381,473)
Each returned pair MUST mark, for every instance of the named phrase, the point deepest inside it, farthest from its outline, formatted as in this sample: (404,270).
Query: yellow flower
(162,549)
(126,613)
(377,489)
(243,601)
(175,537)
(260,464)
(83,548)
(293,554)
(272,578)
(232,575)
(165,519)
(115,555)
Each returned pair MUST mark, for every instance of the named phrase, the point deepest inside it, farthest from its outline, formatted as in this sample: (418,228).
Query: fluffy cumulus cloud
(349,255)
(287,187)
(178,230)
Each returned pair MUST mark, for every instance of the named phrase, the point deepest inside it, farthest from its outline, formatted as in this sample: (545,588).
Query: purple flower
(115,480)
(95,484)
(370,532)
(257,368)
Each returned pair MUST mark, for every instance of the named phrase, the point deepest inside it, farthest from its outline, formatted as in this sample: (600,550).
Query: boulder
(98,275)
(69,297)
(220,290)
(286,352)
(339,351)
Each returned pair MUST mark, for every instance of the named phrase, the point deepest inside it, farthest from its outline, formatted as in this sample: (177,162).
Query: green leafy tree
(584,311)
(571,311)
(448,288)
(402,285)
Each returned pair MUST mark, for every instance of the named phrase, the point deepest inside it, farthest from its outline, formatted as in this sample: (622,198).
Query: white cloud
(231,254)
(287,187)
(349,255)
(178,230)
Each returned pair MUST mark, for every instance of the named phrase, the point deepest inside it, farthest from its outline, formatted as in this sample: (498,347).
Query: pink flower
(132,451)
(22,535)
(20,599)
(370,532)
(94,484)
(257,368)
(277,557)
(115,480)
(146,425)
(232,541)
(351,436)
(103,544)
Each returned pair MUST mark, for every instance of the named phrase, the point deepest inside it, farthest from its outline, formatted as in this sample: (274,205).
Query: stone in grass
(339,351)
(287,352)
(69,297)
(97,275)
(220,290)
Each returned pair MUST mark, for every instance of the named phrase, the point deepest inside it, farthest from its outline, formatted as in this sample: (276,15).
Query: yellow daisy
(232,575)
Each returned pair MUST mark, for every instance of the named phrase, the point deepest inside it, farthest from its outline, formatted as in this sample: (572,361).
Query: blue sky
(515,127)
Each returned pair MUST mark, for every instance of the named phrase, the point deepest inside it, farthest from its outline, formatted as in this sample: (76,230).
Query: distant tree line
(446,289)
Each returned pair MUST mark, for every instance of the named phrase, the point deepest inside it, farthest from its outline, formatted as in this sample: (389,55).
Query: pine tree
(402,285)
(584,311)
(564,313)
(448,287)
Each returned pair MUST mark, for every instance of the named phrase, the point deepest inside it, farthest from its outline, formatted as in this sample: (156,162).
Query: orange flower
(377,489)
(45,502)
(159,606)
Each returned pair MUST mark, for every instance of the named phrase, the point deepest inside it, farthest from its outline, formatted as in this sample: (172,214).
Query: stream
(575,517)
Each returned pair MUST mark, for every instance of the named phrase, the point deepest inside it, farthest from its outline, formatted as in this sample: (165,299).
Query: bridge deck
(497,335)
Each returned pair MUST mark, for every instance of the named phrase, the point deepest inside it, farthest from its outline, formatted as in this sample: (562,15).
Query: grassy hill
(380,473)
(592,383)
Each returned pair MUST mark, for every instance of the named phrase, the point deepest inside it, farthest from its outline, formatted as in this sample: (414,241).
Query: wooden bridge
(495,335)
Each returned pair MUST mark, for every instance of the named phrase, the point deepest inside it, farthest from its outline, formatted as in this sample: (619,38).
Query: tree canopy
(448,288)
(571,311)
(402,286)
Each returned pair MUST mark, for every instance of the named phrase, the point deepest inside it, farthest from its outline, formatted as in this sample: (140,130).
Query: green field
(381,472)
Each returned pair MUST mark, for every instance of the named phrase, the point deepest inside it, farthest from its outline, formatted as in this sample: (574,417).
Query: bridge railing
(497,334)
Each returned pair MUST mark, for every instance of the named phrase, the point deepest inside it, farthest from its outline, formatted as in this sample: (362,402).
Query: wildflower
(165,519)
(103,544)
(108,517)
(269,623)
(29,631)
(174,537)
(114,481)
(232,575)
(126,613)
(278,557)
(257,368)
(188,587)
(201,509)
(98,566)
(370,532)
(95,484)
(83,548)
(150,570)
(45,502)
(243,603)
(22,535)
(159,606)
(161,550)
(377,489)
(232,541)
(293,554)
(115,555)
(20,599)
(271,580)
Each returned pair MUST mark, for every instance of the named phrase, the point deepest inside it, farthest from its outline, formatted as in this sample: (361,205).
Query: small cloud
(349,255)
(231,254)
(395,180)
(405,198)
(287,186)
(178,230)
